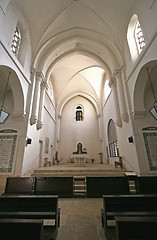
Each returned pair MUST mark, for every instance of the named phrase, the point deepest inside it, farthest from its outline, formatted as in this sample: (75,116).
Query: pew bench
(30,207)
(61,186)
(19,185)
(99,186)
(127,206)
(136,227)
(26,229)
(146,185)
(21,229)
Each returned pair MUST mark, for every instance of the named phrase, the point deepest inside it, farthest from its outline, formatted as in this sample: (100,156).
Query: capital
(40,76)
(112,81)
(44,84)
(117,72)
(98,115)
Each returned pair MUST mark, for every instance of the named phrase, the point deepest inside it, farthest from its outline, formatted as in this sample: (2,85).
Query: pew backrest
(146,185)
(19,185)
(130,202)
(29,206)
(21,229)
(136,227)
(99,186)
(123,205)
(62,186)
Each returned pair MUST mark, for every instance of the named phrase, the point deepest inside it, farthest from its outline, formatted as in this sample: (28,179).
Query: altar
(79,159)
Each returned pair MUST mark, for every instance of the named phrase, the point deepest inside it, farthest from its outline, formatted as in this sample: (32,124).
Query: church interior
(78,103)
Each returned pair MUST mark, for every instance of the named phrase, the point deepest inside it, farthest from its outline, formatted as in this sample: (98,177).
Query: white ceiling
(48,18)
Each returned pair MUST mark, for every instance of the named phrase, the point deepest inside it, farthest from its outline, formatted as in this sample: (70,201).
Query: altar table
(80,159)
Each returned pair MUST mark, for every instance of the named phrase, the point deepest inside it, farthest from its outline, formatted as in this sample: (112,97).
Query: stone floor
(80,219)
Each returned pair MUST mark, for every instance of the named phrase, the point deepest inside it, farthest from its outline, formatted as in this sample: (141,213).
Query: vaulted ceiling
(51,25)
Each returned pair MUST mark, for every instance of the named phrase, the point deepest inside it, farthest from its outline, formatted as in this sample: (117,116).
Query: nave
(80,219)
(96,216)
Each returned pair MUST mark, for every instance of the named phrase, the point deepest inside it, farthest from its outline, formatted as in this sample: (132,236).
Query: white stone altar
(79,159)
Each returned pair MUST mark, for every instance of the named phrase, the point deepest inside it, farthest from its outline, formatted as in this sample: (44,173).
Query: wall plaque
(150,139)
(7,150)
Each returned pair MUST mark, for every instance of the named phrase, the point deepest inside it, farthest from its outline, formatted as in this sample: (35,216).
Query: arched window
(135,37)
(15,45)
(138,34)
(112,139)
(79,113)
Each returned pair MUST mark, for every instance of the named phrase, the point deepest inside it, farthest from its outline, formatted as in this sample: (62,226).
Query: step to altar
(75,170)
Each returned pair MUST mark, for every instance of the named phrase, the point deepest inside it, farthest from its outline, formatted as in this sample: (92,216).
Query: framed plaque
(150,139)
(7,151)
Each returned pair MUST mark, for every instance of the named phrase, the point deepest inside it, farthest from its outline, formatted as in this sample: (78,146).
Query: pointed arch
(14,97)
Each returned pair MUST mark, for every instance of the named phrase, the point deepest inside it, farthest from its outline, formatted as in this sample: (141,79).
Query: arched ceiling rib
(72,41)
(46,13)
(77,73)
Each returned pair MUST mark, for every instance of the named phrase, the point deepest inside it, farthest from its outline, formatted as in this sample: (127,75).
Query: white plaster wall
(126,149)
(32,151)
(72,132)
(146,11)
(7,28)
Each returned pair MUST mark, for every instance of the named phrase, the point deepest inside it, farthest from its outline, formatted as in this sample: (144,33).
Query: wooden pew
(30,207)
(21,229)
(146,185)
(19,185)
(99,186)
(136,227)
(127,205)
(61,186)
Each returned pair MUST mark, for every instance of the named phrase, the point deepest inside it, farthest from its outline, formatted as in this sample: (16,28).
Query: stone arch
(84,95)
(103,65)
(14,97)
(142,83)
(77,40)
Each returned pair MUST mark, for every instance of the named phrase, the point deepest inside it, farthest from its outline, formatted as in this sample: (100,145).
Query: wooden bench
(19,185)
(127,205)
(21,229)
(146,185)
(30,207)
(61,186)
(136,227)
(99,186)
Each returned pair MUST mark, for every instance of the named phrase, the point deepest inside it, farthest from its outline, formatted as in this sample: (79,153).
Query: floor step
(132,186)
(73,170)
(79,186)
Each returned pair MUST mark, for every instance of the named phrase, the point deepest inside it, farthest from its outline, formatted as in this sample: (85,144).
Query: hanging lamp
(153,109)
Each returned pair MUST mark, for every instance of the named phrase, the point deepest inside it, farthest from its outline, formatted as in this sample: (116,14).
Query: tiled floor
(80,219)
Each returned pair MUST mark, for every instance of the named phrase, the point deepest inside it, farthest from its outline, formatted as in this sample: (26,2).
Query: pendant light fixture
(153,109)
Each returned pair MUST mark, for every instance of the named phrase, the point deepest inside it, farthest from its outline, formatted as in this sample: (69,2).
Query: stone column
(116,103)
(43,87)
(100,126)
(120,92)
(58,127)
(35,106)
